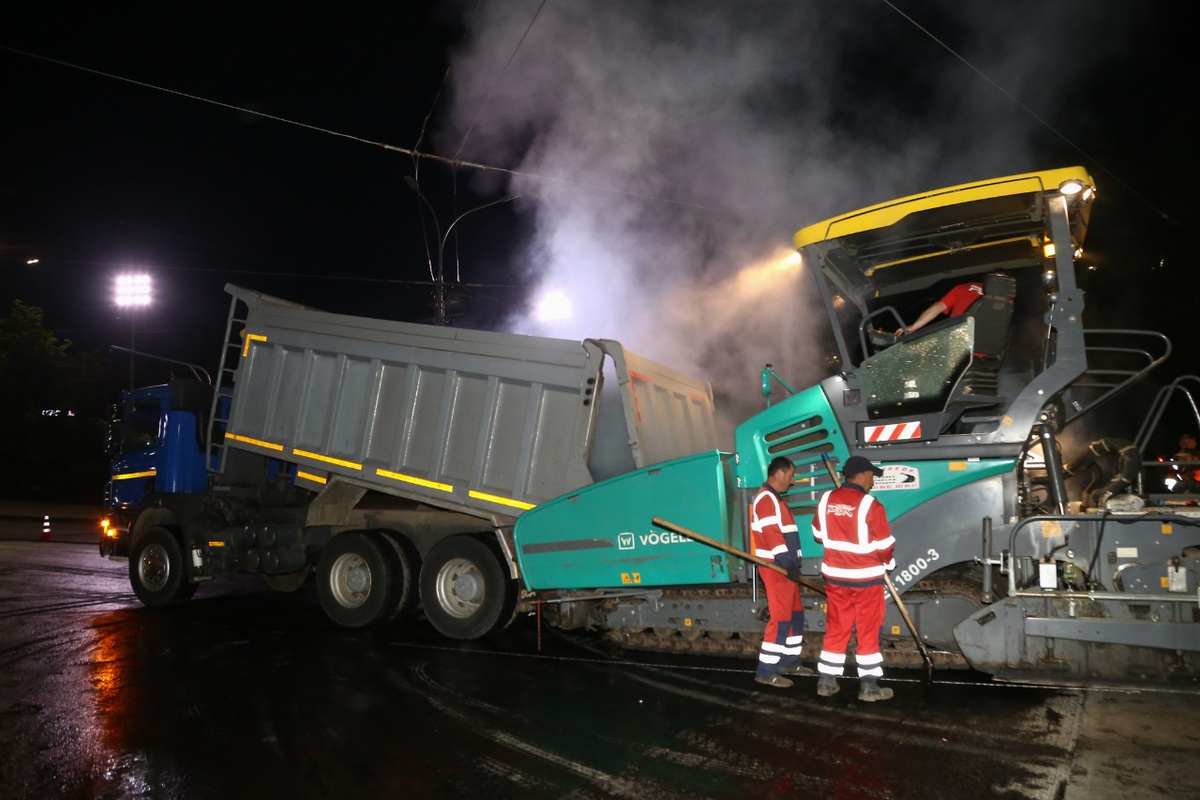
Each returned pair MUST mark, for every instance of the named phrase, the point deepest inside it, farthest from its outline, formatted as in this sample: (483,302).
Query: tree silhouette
(52,404)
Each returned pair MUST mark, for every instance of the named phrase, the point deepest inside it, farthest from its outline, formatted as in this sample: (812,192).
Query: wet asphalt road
(243,692)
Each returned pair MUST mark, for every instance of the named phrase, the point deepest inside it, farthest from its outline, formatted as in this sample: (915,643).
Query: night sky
(661,147)
(103,174)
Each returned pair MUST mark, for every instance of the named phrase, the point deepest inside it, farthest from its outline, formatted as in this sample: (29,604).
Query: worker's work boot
(871,691)
(799,669)
(827,686)
(778,681)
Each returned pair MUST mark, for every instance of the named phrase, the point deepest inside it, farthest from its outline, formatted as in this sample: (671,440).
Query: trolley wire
(457,161)
(1033,114)
(409,151)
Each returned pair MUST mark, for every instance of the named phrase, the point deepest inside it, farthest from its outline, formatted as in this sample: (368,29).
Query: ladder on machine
(218,418)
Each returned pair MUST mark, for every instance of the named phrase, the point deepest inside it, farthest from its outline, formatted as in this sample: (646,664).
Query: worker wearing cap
(776,538)
(858,543)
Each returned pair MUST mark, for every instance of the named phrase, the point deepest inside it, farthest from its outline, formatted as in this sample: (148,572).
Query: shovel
(742,554)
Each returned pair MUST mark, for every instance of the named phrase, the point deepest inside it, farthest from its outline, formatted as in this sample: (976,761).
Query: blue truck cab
(156,443)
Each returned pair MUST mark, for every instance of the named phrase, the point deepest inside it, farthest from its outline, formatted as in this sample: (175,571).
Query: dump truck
(388,459)
(1034,540)
(459,474)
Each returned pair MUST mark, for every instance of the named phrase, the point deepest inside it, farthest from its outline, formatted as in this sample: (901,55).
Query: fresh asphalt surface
(243,692)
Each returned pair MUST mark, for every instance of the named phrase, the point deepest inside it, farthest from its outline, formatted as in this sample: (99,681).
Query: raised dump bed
(480,422)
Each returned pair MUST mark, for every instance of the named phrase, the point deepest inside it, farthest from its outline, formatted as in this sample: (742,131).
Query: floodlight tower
(132,291)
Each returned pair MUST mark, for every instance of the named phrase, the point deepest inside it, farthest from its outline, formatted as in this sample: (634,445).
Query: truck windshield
(139,428)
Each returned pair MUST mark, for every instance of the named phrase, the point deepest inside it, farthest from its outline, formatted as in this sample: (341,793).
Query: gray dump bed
(487,423)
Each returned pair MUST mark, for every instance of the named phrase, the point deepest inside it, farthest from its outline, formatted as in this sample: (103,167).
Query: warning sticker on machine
(897,476)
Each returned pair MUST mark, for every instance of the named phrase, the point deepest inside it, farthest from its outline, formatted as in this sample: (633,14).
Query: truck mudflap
(601,536)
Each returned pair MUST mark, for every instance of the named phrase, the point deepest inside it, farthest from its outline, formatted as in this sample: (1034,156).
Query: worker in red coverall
(955,302)
(776,538)
(852,525)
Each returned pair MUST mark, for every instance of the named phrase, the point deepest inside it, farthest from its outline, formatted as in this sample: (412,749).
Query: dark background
(104,175)
(134,137)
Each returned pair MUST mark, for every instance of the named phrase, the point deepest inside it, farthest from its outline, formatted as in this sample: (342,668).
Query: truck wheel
(156,569)
(408,566)
(356,579)
(465,590)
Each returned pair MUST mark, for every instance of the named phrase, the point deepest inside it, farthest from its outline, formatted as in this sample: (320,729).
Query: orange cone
(46,529)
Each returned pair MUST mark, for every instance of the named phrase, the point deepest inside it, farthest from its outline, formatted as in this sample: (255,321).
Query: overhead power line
(499,76)
(456,162)
(1062,136)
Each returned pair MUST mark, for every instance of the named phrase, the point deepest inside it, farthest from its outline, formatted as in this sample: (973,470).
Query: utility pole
(439,279)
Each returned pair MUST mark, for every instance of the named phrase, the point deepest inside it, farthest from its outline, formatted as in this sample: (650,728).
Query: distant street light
(132,292)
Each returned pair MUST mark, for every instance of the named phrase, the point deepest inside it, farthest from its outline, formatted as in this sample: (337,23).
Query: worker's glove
(793,574)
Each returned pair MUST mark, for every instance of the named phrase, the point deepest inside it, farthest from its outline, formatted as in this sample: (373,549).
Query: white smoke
(670,149)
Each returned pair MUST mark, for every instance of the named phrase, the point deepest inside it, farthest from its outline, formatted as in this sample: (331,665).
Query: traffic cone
(46,529)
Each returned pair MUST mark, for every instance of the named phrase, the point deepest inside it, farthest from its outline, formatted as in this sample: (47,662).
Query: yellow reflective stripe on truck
(504,501)
(251,337)
(397,476)
(255,442)
(124,476)
(341,462)
(383,473)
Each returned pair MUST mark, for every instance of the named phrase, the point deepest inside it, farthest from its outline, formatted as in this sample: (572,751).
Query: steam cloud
(679,145)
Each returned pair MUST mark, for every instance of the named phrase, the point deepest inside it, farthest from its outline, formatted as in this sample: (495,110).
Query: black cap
(856,464)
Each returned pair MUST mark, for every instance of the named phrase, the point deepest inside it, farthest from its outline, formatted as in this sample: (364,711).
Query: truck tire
(356,579)
(156,569)
(408,567)
(465,589)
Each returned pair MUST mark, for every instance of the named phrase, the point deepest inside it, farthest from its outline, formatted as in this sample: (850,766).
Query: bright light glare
(133,290)
(782,261)
(764,275)
(1071,186)
(553,306)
